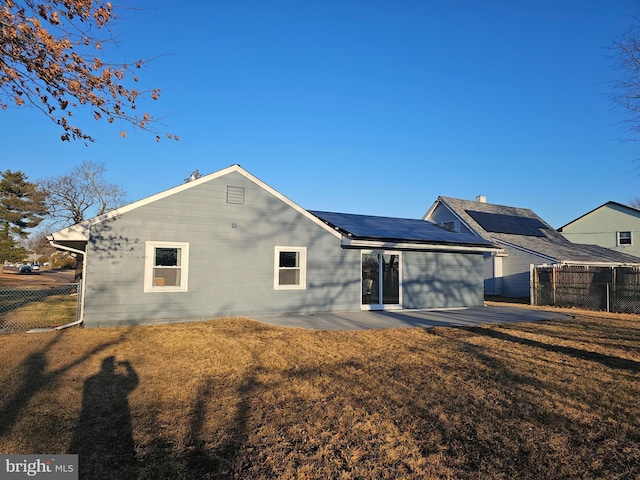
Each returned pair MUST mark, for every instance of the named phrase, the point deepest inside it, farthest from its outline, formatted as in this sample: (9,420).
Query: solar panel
(512,224)
(367,226)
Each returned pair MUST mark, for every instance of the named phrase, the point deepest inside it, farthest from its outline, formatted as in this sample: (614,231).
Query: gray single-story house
(228,244)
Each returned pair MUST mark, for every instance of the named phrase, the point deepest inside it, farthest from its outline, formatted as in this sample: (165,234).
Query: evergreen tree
(21,208)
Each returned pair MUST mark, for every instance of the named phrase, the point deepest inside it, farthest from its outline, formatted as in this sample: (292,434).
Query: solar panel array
(512,224)
(389,228)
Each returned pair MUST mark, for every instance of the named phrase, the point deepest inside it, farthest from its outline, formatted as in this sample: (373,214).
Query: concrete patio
(370,319)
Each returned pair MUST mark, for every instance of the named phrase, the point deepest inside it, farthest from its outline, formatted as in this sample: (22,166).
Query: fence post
(608,299)
(553,282)
(532,284)
(79,303)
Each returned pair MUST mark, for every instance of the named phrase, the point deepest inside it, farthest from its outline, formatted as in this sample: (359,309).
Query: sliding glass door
(381,285)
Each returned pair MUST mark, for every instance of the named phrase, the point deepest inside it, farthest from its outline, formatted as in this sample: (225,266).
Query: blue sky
(371,107)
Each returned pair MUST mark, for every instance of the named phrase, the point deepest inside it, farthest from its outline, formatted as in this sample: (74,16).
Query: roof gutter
(381,244)
(53,243)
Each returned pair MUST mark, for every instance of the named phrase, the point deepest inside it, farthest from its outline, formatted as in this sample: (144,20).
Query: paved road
(367,320)
(43,277)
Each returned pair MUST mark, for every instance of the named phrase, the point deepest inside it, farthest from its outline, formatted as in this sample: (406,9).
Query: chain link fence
(610,289)
(604,297)
(38,306)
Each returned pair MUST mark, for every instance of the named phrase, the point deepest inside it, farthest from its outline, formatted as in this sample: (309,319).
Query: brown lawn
(234,398)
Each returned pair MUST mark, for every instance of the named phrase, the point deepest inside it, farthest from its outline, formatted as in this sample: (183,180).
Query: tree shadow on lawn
(36,379)
(606,360)
(224,457)
(470,421)
(203,455)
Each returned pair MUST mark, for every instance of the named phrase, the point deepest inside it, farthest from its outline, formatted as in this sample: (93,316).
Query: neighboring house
(612,225)
(228,244)
(525,238)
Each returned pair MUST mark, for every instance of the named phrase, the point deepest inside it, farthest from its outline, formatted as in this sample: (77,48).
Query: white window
(290,268)
(624,238)
(166,267)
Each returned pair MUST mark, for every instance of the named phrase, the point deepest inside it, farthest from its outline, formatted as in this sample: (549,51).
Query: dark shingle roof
(548,242)
(396,229)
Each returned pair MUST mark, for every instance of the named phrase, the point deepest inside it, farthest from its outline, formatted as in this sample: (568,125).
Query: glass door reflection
(380,280)
(370,279)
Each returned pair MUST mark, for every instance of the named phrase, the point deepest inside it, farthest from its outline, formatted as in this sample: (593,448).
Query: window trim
(302,251)
(619,242)
(149,256)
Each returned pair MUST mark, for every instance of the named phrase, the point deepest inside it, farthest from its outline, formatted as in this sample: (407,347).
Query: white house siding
(442,215)
(231,270)
(516,272)
(492,274)
(442,280)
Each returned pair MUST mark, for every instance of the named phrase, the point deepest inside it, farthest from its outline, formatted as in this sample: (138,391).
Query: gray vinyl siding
(442,280)
(231,269)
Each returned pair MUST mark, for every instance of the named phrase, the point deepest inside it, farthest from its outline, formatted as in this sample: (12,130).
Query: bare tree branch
(626,91)
(82,193)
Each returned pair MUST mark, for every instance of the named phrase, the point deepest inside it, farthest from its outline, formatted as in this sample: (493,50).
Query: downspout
(82,284)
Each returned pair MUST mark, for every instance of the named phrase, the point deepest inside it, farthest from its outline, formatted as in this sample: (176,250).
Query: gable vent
(235,195)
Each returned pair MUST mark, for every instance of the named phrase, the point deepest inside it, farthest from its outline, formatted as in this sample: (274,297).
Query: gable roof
(383,231)
(632,210)
(76,234)
(521,228)
(362,228)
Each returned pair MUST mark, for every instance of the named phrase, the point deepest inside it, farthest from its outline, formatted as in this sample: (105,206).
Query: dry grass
(235,398)
(37,300)
(23,315)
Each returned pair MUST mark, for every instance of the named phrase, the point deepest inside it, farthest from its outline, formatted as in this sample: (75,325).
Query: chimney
(481,199)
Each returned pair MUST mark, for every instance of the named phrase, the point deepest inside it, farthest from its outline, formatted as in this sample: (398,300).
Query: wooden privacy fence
(611,289)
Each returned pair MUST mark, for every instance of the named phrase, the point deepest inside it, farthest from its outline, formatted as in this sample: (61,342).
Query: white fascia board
(87,224)
(381,245)
(431,210)
(74,233)
(80,231)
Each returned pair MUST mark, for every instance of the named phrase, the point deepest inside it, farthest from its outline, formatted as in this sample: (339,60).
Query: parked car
(36,266)
(25,269)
